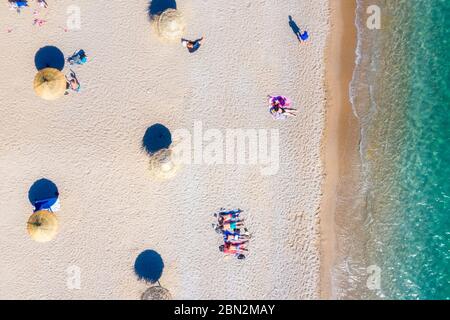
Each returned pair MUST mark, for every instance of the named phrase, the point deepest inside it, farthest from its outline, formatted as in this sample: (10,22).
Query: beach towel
(282,100)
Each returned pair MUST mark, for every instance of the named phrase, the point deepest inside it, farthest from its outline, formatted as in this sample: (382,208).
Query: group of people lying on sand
(235,235)
(78,58)
(19,5)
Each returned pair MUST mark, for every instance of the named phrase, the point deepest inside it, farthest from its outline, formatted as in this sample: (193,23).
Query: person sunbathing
(232,225)
(227,216)
(229,248)
(225,213)
(277,111)
(235,237)
(72,82)
(280,107)
(221,230)
(79,57)
(228,219)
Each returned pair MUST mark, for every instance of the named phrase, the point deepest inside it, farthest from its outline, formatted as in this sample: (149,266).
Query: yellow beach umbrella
(163,165)
(42,226)
(171,24)
(50,84)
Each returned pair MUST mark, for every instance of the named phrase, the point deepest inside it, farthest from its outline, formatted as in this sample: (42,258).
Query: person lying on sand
(280,107)
(228,219)
(78,57)
(224,213)
(227,215)
(221,230)
(277,112)
(72,82)
(232,225)
(229,248)
(235,237)
(192,46)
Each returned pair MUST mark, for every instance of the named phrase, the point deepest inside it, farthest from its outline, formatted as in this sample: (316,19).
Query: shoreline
(341,136)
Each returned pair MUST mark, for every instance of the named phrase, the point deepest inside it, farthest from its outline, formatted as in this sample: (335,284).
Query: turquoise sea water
(401,94)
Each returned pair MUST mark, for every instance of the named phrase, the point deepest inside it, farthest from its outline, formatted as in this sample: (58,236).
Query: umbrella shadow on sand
(156,137)
(156,7)
(149,266)
(49,57)
(42,189)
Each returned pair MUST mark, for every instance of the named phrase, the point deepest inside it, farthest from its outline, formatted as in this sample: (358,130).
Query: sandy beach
(90,145)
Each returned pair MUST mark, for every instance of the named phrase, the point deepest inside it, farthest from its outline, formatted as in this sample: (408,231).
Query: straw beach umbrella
(42,226)
(171,24)
(163,165)
(50,84)
(156,293)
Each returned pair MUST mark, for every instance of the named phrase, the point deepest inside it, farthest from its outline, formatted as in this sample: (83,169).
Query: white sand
(89,144)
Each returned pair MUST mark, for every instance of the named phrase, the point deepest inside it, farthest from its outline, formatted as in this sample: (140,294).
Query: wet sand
(341,135)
